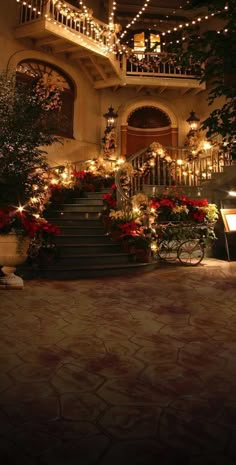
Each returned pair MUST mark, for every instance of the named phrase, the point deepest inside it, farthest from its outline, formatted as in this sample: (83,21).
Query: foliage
(128,226)
(29,115)
(181,208)
(25,128)
(216,51)
(177,217)
(60,194)
(87,181)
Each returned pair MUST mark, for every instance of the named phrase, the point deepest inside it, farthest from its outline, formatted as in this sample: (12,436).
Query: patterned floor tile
(136,370)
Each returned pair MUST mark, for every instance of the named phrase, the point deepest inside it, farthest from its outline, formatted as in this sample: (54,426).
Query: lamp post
(193,121)
(109,139)
(192,138)
(110,117)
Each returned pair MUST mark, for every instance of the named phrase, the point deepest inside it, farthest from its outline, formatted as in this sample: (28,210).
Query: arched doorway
(146,124)
(31,69)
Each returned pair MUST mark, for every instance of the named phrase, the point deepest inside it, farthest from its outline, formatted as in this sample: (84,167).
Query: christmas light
(135,18)
(93,30)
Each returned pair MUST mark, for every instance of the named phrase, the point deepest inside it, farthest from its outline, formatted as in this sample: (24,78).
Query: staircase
(84,250)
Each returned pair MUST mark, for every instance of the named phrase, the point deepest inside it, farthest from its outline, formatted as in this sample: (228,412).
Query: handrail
(121,197)
(176,168)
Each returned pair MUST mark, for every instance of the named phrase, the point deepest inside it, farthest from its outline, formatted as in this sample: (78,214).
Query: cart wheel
(190,253)
(167,250)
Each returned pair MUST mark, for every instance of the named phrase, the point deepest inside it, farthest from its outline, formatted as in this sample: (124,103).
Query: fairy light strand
(91,27)
(135,18)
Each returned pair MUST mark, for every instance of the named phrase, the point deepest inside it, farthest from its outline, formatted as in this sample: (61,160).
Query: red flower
(79,174)
(4,217)
(128,229)
(109,200)
(154,204)
(198,216)
(167,203)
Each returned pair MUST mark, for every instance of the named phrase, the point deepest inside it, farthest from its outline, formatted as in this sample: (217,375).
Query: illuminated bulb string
(29,6)
(135,18)
(70,13)
(112,14)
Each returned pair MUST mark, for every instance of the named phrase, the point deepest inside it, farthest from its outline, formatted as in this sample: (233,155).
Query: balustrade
(175,168)
(84,24)
(68,16)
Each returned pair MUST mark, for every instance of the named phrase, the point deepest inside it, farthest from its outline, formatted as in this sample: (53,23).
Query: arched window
(148,117)
(31,69)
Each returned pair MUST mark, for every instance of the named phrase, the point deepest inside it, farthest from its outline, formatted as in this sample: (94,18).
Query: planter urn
(13,252)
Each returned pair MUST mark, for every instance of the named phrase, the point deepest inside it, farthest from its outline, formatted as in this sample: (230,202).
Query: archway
(30,69)
(144,123)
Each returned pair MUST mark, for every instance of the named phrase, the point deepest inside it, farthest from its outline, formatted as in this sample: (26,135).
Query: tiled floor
(139,370)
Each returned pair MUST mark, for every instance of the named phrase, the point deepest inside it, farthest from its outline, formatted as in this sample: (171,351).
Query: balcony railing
(69,17)
(154,64)
(94,32)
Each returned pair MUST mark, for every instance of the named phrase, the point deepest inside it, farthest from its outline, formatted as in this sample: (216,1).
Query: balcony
(72,33)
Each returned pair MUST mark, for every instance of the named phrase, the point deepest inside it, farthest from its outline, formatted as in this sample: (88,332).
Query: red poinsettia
(12,219)
(197,215)
(109,200)
(128,229)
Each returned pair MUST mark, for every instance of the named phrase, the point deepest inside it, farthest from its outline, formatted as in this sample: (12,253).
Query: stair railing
(177,168)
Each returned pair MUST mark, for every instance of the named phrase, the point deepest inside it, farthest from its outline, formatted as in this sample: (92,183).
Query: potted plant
(29,115)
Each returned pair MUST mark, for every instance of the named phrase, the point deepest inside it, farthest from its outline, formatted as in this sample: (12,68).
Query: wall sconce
(110,117)
(193,121)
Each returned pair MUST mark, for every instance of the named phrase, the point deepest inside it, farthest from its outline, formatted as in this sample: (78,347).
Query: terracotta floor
(139,370)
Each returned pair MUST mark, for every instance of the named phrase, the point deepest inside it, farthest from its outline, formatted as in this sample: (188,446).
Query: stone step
(78,239)
(78,207)
(88,249)
(57,272)
(98,194)
(88,201)
(95,259)
(64,221)
(73,215)
(80,230)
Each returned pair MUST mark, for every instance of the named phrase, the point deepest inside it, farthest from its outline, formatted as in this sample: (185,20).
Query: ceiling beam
(184,91)
(160,90)
(138,89)
(86,72)
(98,68)
(48,40)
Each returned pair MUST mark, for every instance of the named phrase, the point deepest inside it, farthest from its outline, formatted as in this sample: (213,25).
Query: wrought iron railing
(176,168)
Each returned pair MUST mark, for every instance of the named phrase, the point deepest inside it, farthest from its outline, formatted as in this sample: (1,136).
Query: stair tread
(82,235)
(66,218)
(108,254)
(78,204)
(99,267)
(61,213)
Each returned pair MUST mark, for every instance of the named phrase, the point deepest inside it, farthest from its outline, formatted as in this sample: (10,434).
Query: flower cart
(184,241)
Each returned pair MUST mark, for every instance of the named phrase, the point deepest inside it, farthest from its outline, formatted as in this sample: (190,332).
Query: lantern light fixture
(193,121)
(111,117)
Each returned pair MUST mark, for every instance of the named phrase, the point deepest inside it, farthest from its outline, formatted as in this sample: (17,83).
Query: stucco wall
(90,105)
(86,141)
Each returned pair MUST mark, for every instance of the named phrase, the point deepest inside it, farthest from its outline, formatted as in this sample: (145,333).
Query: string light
(135,18)
(20,209)
(93,30)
